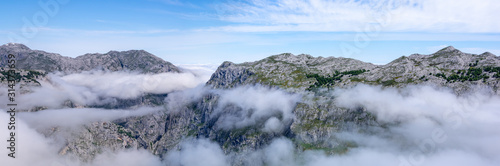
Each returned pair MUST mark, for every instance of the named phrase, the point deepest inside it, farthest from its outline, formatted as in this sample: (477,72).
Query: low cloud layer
(423,126)
(254,105)
(130,85)
(420,125)
(32,148)
(428,126)
(102,87)
(196,152)
(74,117)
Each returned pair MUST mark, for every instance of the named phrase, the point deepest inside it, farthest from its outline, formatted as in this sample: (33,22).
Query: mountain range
(307,84)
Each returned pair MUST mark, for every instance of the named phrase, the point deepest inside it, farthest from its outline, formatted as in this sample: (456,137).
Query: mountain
(133,60)
(284,70)
(447,67)
(317,119)
(34,65)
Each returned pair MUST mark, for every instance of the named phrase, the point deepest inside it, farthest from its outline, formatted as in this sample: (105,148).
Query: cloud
(268,108)
(196,152)
(74,117)
(419,125)
(428,125)
(204,71)
(422,125)
(254,105)
(103,87)
(127,157)
(129,85)
(32,148)
(341,15)
(178,101)
(273,125)
(412,102)
(280,151)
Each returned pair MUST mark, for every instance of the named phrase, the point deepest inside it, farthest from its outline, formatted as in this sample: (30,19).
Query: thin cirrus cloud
(340,15)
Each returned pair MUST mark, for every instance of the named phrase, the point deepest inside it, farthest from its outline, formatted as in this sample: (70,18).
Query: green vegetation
(354,72)
(323,81)
(308,146)
(329,81)
(342,148)
(121,130)
(389,83)
(472,74)
(7,75)
(31,76)
(316,123)
(296,79)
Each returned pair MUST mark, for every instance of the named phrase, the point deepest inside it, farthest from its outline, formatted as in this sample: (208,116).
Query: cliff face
(302,81)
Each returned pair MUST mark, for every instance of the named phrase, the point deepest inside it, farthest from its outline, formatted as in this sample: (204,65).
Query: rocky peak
(449,49)
(488,54)
(15,46)
(138,52)
(290,58)
(226,64)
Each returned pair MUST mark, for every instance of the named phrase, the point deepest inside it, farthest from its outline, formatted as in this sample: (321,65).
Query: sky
(210,32)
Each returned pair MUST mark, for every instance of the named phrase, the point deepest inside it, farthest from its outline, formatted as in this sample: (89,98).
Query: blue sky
(210,32)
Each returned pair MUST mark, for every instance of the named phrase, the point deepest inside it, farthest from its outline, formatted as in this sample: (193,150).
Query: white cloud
(197,152)
(406,104)
(341,15)
(254,105)
(126,158)
(32,148)
(129,85)
(280,152)
(101,87)
(429,126)
(75,117)
(273,124)
(178,101)
(267,108)
(426,126)
(204,71)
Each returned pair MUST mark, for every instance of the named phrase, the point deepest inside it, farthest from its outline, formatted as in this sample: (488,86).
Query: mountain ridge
(135,60)
(291,71)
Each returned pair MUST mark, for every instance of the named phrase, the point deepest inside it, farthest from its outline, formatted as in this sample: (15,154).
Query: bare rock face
(133,60)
